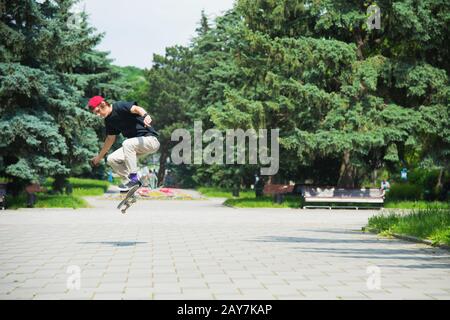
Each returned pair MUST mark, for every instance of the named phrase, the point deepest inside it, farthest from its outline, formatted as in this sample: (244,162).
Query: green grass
(247,199)
(263,202)
(83,186)
(252,202)
(116,181)
(80,187)
(213,192)
(89,183)
(48,201)
(431,223)
(416,204)
(86,192)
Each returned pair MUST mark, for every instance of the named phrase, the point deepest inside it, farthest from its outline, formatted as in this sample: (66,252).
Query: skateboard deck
(130,198)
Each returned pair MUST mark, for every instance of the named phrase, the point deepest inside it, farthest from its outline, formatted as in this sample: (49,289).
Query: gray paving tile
(206,251)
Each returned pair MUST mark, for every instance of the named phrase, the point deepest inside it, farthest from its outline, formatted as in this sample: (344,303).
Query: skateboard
(130,198)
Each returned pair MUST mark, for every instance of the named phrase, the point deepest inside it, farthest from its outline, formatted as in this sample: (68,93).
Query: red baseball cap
(95,101)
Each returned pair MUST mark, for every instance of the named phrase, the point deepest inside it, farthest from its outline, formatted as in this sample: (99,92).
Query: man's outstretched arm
(109,141)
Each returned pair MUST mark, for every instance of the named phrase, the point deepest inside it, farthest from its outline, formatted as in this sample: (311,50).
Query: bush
(428,179)
(404,191)
(423,177)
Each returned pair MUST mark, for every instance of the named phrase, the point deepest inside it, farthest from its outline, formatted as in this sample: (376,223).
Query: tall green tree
(214,74)
(167,97)
(47,65)
(333,87)
(349,100)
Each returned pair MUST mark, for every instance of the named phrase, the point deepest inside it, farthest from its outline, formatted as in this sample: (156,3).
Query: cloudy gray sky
(135,29)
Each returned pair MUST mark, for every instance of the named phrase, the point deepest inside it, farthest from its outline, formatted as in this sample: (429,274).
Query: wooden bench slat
(341,195)
(356,200)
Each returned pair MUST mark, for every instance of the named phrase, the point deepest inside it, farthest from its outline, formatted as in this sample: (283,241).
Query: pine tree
(167,97)
(47,66)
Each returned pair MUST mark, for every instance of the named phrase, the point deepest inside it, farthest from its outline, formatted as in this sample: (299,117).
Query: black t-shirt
(121,120)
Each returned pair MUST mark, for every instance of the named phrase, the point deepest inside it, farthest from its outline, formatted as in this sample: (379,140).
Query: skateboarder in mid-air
(141,139)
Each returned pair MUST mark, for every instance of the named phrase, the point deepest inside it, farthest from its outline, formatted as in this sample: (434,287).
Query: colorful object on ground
(164,193)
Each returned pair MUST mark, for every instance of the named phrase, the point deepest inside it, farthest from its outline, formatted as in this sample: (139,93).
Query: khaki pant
(124,160)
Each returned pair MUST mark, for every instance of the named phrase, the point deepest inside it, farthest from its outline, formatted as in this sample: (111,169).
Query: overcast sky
(135,29)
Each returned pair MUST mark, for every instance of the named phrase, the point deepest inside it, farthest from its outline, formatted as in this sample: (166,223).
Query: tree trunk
(374,176)
(15,187)
(439,184)
(59,184)
(162,165)
(346,172)
(359,44)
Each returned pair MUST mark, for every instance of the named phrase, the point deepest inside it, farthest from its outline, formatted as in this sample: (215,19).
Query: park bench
(330,197)
(31,190)
(272,189)
(278,191)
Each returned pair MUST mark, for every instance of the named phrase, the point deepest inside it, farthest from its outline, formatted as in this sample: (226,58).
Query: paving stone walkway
(202,250)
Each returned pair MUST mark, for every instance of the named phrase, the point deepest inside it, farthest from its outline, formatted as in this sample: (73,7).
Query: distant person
(153,179)
(404,174)
(145,176)
(385,186)
(168,180)
(134,124)
(259,186)
(110,176)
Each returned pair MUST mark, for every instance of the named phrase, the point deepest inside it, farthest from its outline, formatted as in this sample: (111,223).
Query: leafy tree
(167,80)
(47,65)
(334,88)
(349,101)
(131,84)
(214,73)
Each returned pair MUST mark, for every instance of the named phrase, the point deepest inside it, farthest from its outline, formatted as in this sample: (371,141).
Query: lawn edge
(408,238)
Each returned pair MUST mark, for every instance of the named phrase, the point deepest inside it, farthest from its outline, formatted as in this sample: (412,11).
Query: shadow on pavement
(313,240)
(115,243)
(436,258)
(336,231)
